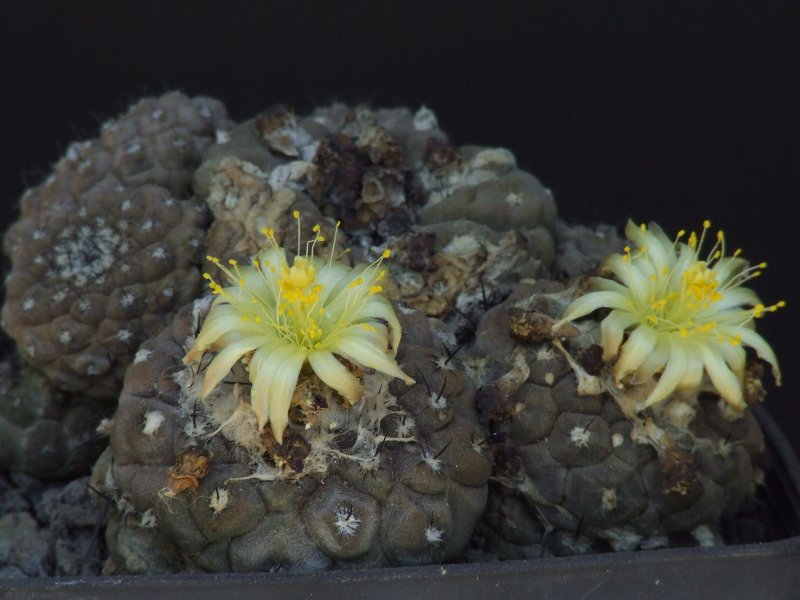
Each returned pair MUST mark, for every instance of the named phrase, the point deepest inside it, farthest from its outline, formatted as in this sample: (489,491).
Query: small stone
(25,546)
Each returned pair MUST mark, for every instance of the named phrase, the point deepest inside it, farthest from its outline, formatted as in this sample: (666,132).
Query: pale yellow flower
(687,314)
(312,311)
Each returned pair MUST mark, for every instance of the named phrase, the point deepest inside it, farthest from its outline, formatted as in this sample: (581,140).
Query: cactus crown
(688,311)
(281,316)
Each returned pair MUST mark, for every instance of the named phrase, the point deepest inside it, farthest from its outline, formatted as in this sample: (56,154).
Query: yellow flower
(687,314)
(312,311)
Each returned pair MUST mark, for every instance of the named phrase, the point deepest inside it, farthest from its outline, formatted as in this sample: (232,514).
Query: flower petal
(278,374)
(378,307)
(633,232)
(612,329)
(672,375)
(727,267)
(630,275)
(635,350)
(654,363)
(734,298)
(726,383)
(601,284)
(221,365)
(357,348)
(273,257)
(259,376)
(661,237)
(220,320)
(655,252)
(261,285)
(285,372)
(333,277)
(763,350)
(590,302)
(693,372)
(336,375)
(734,355)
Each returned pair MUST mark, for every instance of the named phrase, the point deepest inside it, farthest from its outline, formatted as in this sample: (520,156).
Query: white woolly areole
(622,539)
(218,500)
(289,175)
(463,246)
(580,436)
(199,307)
(152,422)
(141,355)
(434,535)
(105,426)
(609,499)
(680,412)
(345,522)
(704,536)
(148,520)
(493,157)
(222,136)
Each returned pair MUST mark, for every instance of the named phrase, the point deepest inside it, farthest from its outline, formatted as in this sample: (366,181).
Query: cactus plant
(608,441)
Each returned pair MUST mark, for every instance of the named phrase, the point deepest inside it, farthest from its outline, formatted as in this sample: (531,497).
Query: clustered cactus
(397,478)
(577,468)
(322,406)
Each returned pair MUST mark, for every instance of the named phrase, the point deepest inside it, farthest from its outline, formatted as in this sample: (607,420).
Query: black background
(664,111)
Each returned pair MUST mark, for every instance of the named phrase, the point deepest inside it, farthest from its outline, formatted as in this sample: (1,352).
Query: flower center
(700,283)
(289,301)
(296,282)
(676,309)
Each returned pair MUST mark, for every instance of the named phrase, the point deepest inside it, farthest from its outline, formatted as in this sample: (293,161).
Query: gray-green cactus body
(90,281)
(574,473)
(108,244)
(397,479)
(157,141)
(104,252)
(45,432)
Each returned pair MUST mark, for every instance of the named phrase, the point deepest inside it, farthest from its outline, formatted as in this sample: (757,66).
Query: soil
(49,529)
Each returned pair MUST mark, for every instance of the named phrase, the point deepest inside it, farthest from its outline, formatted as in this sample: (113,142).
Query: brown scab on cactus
(190,467)
(290,453)
(278,128)
(465,223)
